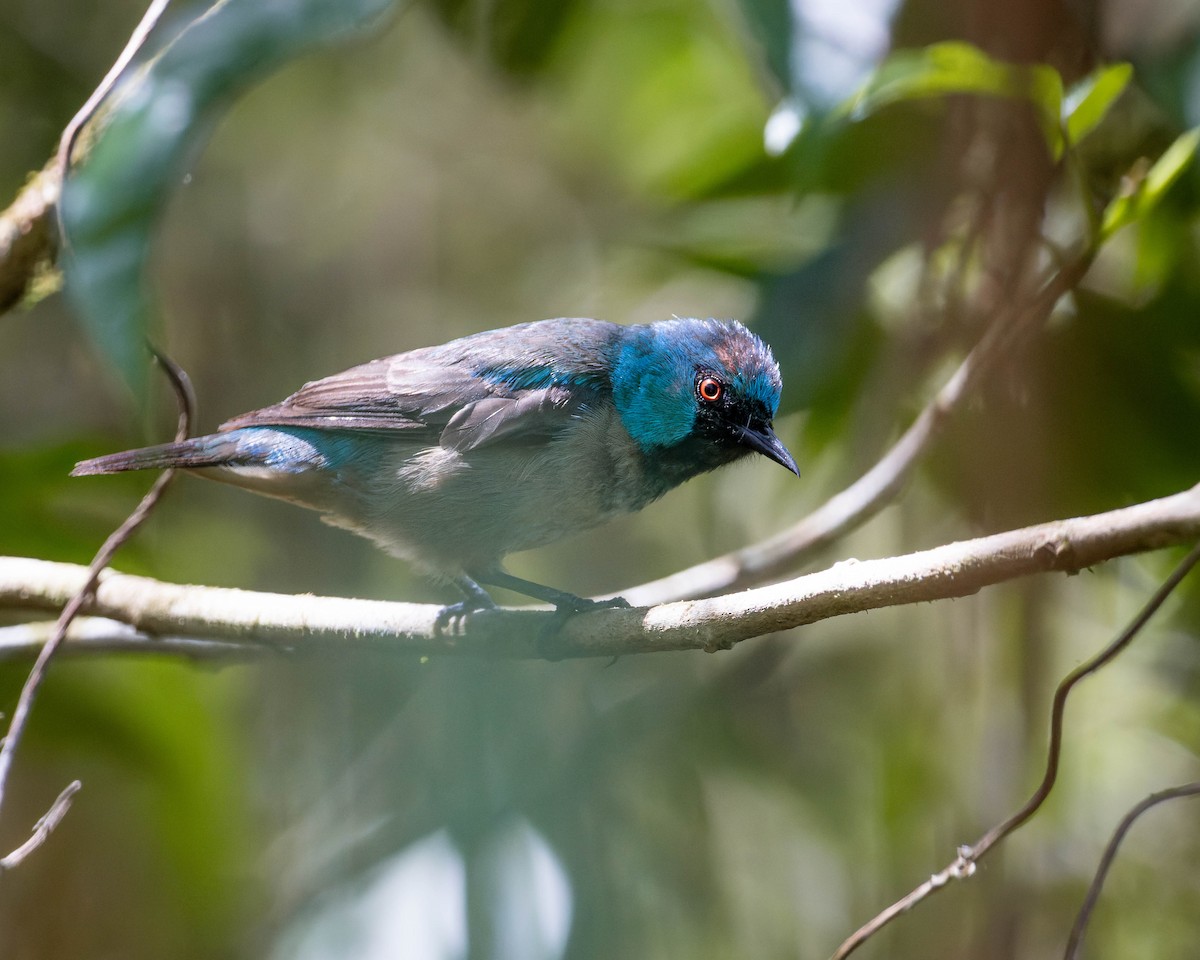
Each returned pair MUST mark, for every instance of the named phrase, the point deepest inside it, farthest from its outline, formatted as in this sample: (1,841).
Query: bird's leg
(564,602)
(474,598)
(566,605)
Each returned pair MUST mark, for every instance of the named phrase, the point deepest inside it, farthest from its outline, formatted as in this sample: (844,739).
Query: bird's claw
(584,605)
(453,613)
(564,611)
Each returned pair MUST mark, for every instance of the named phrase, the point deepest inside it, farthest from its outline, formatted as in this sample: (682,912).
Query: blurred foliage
(516,36)
(867,184)
(1088,103)
(110,208)
(943,69)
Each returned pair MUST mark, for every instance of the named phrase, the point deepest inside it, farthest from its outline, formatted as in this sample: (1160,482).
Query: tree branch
(292,622)
(96,635)
(28,236)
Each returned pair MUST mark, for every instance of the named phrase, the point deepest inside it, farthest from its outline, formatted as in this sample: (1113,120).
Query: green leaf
(157,118)
(1136,201)
(773,26)
(1089,101)
(1170,167)
(944,69)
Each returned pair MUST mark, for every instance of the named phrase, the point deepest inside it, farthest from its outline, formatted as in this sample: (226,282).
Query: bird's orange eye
(710,389)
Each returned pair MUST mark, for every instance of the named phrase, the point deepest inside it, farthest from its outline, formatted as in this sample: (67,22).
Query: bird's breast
(454,511)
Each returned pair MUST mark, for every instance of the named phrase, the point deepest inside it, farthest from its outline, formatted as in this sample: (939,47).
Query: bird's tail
(212,451)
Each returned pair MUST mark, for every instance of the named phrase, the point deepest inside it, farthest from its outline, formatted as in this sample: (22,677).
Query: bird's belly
(452,512)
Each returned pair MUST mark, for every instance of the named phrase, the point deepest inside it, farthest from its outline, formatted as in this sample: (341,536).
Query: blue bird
(455,455)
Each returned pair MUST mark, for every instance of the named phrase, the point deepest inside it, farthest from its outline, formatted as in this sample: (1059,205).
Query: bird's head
(695,394)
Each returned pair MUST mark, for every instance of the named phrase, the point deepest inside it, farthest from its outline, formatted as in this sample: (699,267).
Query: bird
(453,456)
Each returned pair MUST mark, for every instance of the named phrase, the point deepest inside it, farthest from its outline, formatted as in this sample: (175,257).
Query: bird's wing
(415,396)
(530,415)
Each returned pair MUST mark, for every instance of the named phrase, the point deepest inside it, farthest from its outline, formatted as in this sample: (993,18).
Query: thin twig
(1075,943)
(43,828)
(37,675)
(875,489)
(66,144)
(967,857)
(1058,706)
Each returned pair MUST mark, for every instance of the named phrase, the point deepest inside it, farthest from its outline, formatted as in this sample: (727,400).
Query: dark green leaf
(157,119)
(772,24)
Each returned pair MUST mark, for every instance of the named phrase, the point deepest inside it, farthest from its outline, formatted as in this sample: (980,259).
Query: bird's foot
(576,605)
(453,613)
(569,606)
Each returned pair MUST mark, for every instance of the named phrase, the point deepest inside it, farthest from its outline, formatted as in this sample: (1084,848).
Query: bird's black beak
(763,440)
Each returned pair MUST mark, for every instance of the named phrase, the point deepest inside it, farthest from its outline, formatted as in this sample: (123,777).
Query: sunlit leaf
(157,119)
(1088,102)
(943,69)
(1139,198)
(1170,167)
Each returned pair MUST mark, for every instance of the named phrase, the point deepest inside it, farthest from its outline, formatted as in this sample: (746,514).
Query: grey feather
(532,414)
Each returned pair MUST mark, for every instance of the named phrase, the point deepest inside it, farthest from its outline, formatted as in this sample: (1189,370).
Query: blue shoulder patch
(536,377)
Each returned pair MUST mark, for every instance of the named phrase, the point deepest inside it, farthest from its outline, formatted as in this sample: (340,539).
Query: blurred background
(469,164)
